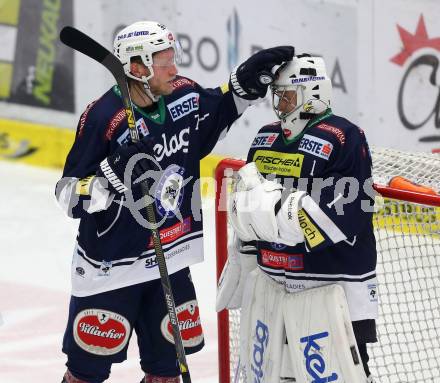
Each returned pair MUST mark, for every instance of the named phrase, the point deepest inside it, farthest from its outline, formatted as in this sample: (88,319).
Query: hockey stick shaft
(80,42)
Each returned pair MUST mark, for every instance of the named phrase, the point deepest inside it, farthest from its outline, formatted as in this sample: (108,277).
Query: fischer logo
(189,324)
(315,363)
(316,146)
(262,339)
(282,260)
(184,106)
(101,332)
(175,144)
(264,140)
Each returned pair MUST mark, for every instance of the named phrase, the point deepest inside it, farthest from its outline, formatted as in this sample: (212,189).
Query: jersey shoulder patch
(267,135)
(114,123)
(83,118)
(92,111)
(331,129)
(100,112)
(182,83)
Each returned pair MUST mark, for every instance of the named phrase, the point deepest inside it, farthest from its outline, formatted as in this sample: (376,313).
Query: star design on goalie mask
(413,42)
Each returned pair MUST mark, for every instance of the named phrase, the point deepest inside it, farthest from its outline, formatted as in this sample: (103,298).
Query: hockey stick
(80,42)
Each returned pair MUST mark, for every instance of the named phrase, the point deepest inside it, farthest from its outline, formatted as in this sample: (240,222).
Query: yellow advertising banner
(34,144)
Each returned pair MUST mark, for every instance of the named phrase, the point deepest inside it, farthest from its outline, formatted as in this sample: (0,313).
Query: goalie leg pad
(321,341)
(242,259)
(262,332)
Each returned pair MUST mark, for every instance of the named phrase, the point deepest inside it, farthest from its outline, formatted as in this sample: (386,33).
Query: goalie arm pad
(242,259)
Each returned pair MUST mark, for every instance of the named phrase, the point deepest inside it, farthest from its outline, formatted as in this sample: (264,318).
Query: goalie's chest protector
(327,148)
(310,156)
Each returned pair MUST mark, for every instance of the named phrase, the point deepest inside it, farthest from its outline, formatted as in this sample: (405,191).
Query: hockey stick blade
(80,42)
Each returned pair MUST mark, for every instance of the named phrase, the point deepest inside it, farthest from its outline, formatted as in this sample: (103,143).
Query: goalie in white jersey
(308,232)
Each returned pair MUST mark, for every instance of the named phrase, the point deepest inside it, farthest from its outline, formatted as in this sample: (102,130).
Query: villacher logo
(419,91)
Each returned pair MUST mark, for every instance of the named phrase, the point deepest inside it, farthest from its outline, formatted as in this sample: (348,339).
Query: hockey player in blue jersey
(115,285)
(312,226)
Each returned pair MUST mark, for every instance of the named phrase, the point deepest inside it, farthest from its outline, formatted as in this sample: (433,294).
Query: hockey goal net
(407,230)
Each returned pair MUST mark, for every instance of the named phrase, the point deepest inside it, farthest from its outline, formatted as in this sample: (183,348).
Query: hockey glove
(242,259)
(252,206)
(114,168)
(253,209)
(251,79)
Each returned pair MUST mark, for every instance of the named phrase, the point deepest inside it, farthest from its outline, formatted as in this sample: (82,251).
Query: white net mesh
(408,245)
(421,168)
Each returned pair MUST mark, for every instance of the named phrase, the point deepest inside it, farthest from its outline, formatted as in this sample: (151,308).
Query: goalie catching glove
(251,79)
(252,209)
(242,259)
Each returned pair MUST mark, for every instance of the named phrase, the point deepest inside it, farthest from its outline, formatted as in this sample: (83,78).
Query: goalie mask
(301,91)
(143,39)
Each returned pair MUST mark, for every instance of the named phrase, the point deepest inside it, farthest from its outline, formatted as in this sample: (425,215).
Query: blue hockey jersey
(114,247)
(332,163)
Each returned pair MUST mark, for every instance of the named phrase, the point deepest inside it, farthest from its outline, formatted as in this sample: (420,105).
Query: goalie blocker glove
(114,169)
(251,79)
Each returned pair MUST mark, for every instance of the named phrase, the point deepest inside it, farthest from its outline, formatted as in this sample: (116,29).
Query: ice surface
(36,244)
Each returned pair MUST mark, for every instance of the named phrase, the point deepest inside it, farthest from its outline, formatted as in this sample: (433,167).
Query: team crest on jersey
(169,191)
(101,332)
(189,325)
(316,146)
(183,106)
(264,140)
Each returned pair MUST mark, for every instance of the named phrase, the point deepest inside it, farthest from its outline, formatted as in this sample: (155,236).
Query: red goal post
(403,216)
